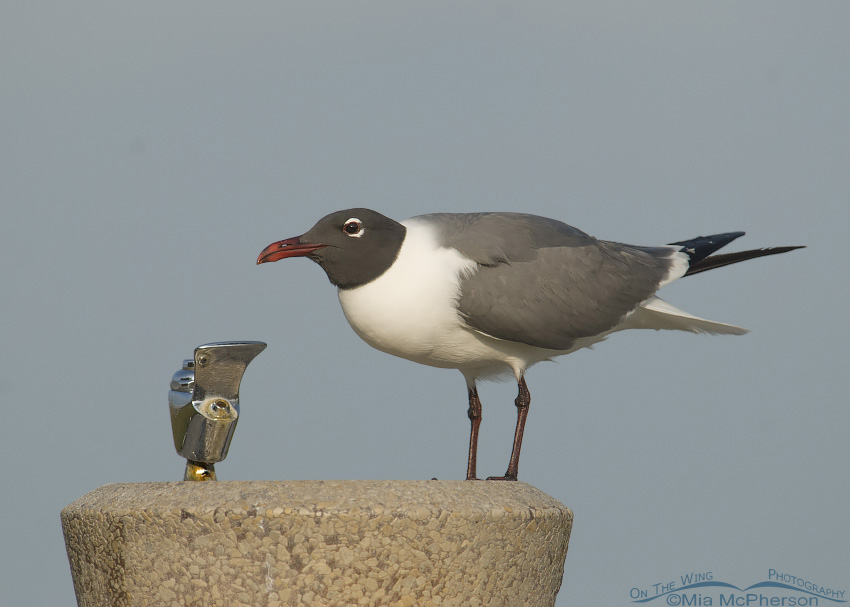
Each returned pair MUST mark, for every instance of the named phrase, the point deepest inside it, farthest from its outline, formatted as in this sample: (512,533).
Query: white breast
(410,311)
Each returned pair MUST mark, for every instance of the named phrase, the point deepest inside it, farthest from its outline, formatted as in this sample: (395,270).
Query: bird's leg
(474,417)
(523,400)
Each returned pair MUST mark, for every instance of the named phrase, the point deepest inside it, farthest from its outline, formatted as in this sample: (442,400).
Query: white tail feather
(655,313)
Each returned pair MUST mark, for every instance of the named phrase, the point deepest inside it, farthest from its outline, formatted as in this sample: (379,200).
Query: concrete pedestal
(234,543)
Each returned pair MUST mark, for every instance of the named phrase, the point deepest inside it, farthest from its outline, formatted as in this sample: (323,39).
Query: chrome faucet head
(204,403)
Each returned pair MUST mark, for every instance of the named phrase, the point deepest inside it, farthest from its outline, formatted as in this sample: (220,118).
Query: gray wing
(544,283)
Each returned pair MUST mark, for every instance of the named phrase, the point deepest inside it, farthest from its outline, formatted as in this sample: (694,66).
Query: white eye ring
(353,227)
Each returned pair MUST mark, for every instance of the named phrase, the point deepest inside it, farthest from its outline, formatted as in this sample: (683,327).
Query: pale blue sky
(148,152)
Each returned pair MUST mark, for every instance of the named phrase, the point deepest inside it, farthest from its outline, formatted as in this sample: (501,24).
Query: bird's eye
(353,227)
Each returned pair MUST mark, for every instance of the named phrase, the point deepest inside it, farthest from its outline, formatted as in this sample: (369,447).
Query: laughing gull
(494,293)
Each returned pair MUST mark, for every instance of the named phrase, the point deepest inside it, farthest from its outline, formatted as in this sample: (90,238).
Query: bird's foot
(501,478)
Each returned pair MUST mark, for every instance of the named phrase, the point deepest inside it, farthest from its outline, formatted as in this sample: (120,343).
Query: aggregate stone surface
(317,543)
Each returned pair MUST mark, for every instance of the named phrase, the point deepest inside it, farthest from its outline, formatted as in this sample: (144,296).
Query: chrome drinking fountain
(204,404)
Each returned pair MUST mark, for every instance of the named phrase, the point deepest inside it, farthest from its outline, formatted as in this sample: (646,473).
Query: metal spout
(204,404)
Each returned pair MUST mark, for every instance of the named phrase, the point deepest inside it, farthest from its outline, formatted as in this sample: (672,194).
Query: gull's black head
(354,246)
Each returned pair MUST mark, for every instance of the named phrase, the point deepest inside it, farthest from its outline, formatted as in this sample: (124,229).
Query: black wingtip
(717,261)
(702,246)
